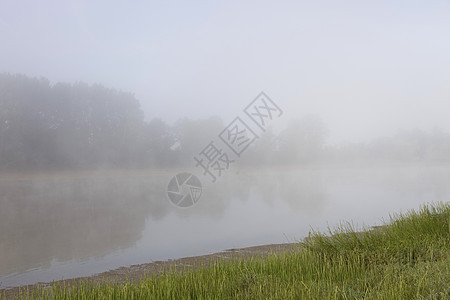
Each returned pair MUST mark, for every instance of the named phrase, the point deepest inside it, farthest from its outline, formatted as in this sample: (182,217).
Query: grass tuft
(405,259)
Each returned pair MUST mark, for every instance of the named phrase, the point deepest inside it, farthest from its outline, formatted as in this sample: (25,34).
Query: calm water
(68,225)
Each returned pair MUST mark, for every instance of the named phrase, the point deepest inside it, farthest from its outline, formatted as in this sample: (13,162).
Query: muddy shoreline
(135,273)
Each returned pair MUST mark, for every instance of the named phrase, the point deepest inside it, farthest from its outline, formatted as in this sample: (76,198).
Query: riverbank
(136,273)
(407,259)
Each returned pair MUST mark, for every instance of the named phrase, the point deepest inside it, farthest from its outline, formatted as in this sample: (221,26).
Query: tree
(302,141)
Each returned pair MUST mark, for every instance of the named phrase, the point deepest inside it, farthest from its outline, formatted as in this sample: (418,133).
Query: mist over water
(103,104)
(71,225)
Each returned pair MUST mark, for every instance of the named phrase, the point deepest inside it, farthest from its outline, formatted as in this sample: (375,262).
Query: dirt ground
(135,272)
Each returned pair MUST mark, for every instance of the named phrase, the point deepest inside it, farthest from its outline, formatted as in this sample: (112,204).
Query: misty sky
(366,68)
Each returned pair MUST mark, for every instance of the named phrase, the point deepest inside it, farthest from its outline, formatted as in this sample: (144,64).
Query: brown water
(56,226)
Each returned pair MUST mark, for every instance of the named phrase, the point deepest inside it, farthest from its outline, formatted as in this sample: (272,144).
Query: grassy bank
(407,259)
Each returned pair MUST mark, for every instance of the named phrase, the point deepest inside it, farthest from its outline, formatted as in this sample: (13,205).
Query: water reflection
(63,217)
(45,219)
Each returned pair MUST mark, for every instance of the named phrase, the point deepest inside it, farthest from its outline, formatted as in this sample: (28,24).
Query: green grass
(407,259)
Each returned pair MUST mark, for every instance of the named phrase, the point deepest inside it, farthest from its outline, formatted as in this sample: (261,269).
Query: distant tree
(159,144)
(302,141)
(60,126)
(411,146)
(406,146)
(264,151)
(25,132)
(192,136)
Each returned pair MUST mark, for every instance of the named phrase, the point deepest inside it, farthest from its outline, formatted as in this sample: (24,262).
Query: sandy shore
(135,272)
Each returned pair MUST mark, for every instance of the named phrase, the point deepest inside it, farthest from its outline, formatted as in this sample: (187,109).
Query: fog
(344,106)
(352,63)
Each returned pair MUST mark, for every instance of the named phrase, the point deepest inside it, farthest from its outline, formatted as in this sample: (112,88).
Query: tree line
(81,126)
